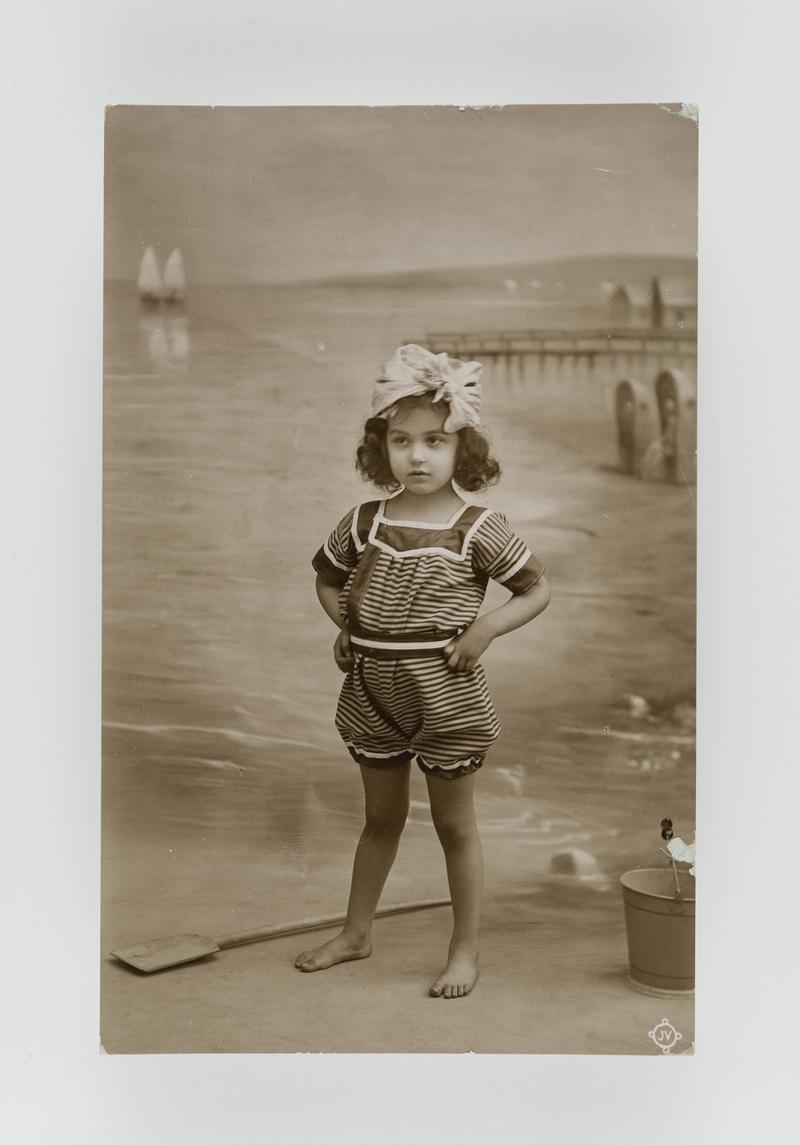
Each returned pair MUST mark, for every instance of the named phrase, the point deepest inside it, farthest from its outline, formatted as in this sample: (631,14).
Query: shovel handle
(319,923)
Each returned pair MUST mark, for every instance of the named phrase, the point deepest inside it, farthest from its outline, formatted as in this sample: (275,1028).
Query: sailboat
(174,278)
(149,280)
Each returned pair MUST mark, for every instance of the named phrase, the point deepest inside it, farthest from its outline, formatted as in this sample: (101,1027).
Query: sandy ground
(227,799)
(552,982)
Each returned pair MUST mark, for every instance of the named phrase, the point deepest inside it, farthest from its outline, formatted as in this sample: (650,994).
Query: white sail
(174,277)
(149,280)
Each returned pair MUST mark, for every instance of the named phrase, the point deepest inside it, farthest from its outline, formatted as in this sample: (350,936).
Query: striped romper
(407,588)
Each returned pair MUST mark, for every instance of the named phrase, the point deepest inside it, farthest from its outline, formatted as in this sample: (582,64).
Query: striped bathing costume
(407,588)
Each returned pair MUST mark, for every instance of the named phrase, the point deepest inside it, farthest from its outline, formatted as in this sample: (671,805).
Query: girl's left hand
(343,652)
(463,653)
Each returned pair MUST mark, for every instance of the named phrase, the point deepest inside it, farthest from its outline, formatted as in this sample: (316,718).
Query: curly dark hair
(475,468)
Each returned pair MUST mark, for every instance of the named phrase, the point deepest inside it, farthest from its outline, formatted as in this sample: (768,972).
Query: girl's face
(422,456)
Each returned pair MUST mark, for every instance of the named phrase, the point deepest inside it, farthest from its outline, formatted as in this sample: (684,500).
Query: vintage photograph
(399,606)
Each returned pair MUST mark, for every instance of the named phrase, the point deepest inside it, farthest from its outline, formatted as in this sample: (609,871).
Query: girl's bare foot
(342,948)
(459,975)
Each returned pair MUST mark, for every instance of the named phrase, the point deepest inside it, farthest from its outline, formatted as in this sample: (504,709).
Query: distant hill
(583,279)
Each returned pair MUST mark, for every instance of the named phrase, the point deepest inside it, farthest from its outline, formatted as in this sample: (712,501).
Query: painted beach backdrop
(316,241)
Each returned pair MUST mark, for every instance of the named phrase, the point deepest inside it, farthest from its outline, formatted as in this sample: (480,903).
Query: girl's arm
(464,652)
(329,599)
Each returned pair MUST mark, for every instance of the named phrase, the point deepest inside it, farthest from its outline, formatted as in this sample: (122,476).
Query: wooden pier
(524,354)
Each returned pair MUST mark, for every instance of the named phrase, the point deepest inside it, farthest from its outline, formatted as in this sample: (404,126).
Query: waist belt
(387,646)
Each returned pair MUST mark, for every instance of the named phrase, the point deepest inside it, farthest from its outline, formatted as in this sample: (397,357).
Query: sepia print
(314,316)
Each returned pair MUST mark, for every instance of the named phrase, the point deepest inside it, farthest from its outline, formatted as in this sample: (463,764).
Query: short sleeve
(338,556)
(498,552)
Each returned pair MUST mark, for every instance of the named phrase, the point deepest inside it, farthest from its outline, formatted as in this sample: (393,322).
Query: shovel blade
(164,952)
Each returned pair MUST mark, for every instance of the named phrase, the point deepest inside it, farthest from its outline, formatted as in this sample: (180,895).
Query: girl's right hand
(342,652)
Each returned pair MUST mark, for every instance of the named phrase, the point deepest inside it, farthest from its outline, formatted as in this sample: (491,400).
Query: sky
(281,194)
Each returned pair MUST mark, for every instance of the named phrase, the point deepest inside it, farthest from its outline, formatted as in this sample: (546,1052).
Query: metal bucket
(660,930)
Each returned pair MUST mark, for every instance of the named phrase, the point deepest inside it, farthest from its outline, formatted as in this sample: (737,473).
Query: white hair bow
(414,370)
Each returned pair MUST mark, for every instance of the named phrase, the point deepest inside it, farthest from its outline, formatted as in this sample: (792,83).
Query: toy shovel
(164,952)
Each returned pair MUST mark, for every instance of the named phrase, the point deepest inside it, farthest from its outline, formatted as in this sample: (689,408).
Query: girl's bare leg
(386,809)
(453,814)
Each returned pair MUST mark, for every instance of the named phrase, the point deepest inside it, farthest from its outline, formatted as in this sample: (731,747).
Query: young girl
(404,579)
